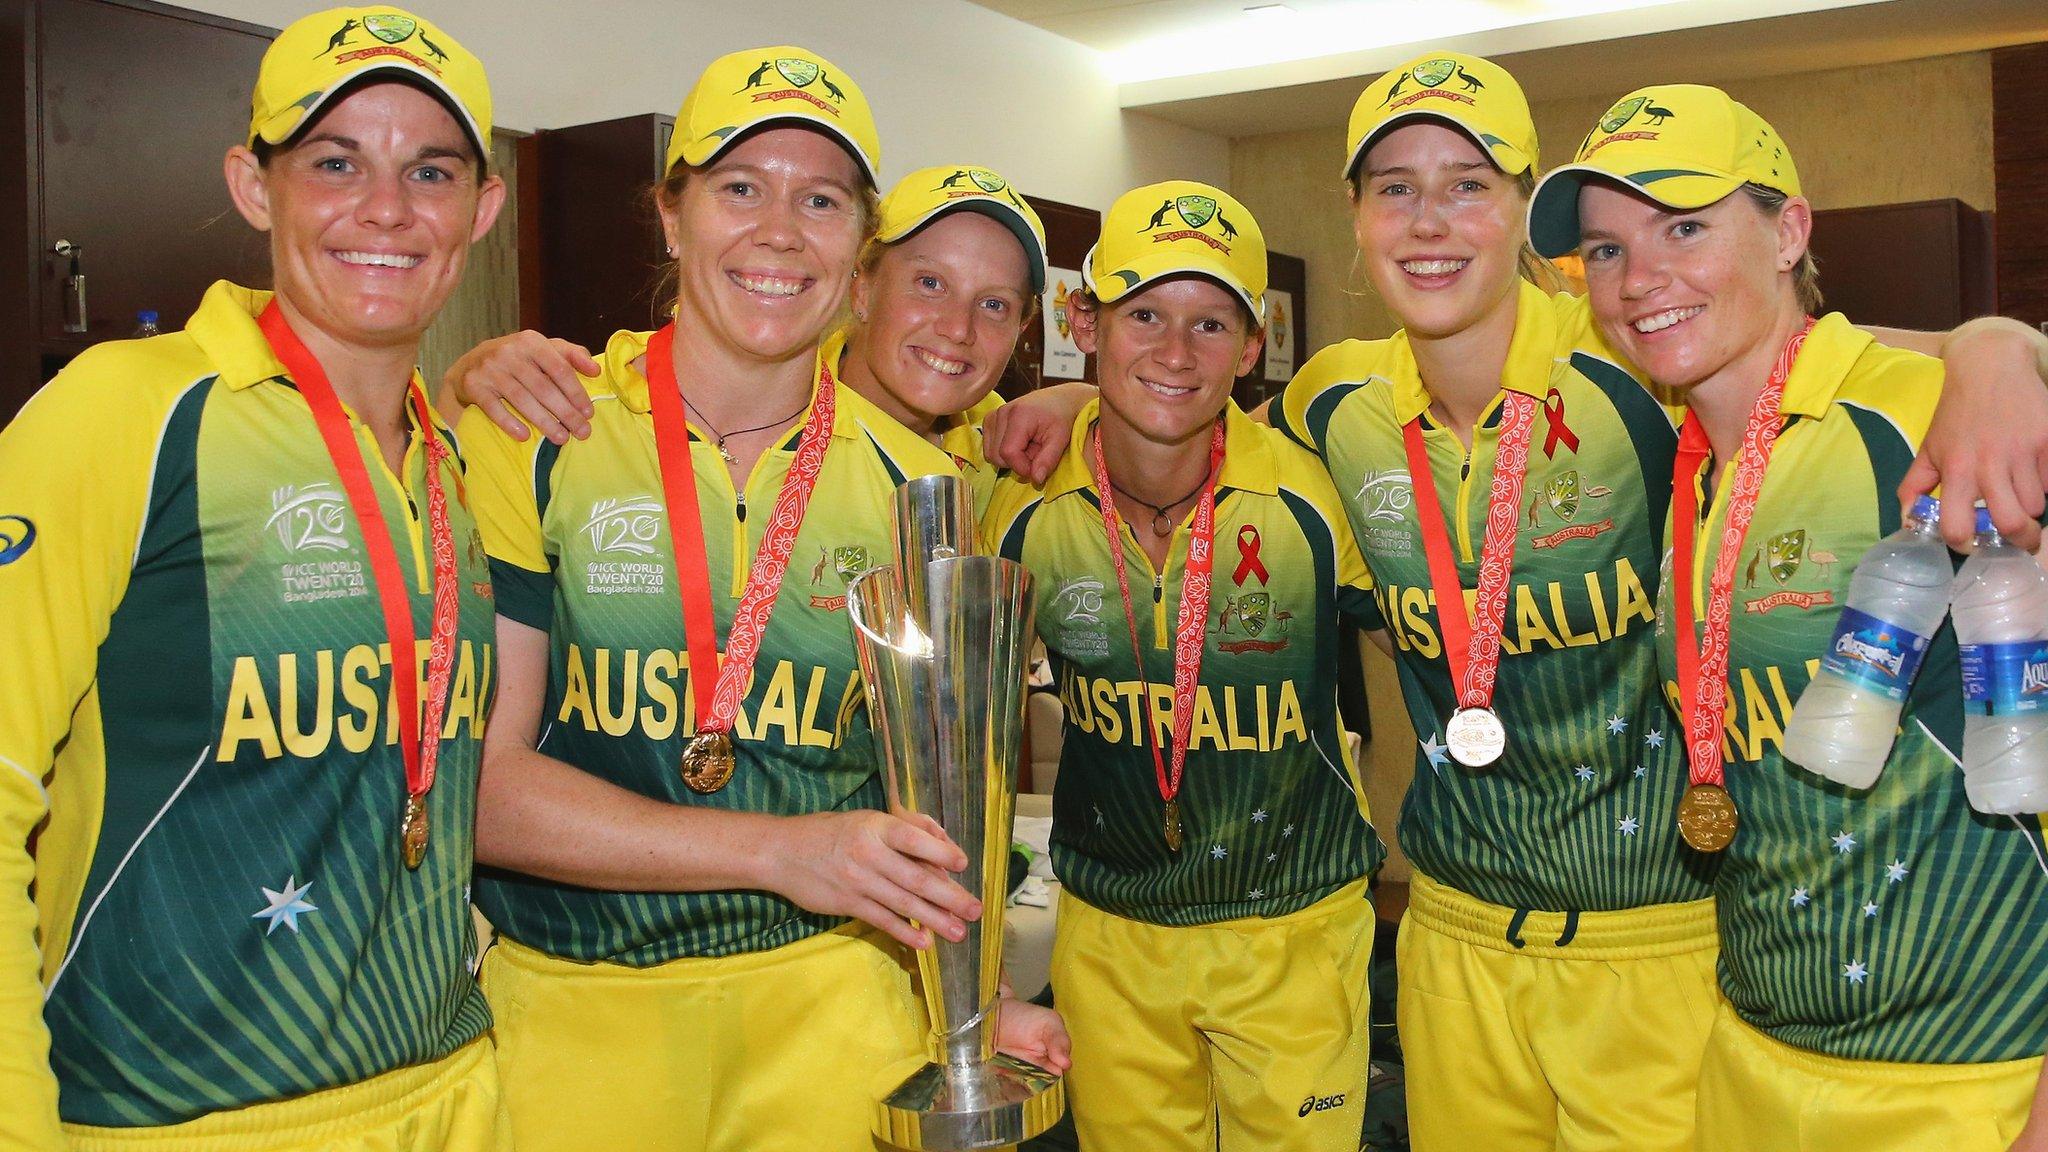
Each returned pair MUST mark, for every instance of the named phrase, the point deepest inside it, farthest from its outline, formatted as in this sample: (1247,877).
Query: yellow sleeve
(498,473)
(75,469)
(1353,592)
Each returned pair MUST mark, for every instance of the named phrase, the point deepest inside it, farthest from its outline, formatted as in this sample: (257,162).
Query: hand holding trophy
(943,635)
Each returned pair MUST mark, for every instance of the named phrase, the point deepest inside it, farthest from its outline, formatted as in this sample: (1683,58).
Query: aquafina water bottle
(1847,718)
(2001,612)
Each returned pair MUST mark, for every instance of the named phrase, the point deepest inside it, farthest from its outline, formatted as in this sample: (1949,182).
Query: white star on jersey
(1654,738)
(1437,753)
(1219,851)
(1845,842)
(1287,831)
(1801,898)
(1616,725)
(1854,972)
(287,906)
(1256,894)
(1896,871)
(1870,910)
(1628,826)
(1259,817)
(1584,772)
(1641,771)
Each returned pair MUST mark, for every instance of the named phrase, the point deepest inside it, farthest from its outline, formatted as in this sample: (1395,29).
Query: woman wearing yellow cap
(1215,932)
(235,865)
(1884,951)
(682,797)
(941,294)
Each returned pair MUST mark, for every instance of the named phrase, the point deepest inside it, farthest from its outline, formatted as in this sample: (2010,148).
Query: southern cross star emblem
(1654,738)
(1641,771)
(1801,898)
(1628,826)
(286,906)
(1855,972)
(1616,725)
(1256,894)
(1287,831)
(1259,817)
(1437,753)
(1583,772)
(1896,871)
(1219,851)
(1870,910)
(1845,842)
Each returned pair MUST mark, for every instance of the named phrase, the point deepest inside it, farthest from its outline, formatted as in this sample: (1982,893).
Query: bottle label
(1874,654)
(2005,679)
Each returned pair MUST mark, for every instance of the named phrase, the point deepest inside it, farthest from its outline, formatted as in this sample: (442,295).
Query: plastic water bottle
(146,324)
(1847,718)
(2001,614)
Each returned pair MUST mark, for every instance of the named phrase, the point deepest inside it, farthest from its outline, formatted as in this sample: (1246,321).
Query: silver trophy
(943,636)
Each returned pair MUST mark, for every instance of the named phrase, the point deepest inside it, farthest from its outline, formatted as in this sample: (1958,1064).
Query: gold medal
(1173,824)
(1706,817)
(707,762)
(412,831)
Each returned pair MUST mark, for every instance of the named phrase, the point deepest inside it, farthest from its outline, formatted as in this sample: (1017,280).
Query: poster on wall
(1279,335)
(1063,359)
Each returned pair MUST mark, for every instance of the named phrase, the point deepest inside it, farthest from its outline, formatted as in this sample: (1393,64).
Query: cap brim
(281,127)
(1148,270)
(1505,156)
(1554,209)
(994,209)
(845,139)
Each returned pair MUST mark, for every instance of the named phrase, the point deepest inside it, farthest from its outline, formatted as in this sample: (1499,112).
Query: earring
(671,251)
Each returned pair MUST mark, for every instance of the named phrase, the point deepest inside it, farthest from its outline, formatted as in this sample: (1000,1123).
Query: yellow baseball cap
(319,56)
(764,85)
(929,193)
(1683,145)
(1475,96)
(1178,227)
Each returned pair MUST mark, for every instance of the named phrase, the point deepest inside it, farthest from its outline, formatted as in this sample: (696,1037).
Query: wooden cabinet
(115,115)
(592,258)
(1926,265)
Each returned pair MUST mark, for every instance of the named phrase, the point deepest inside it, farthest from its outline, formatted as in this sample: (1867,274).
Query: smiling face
(1686,294)
(371,213)
(766,237)
(1168,356)
(943,310)
(1439,229)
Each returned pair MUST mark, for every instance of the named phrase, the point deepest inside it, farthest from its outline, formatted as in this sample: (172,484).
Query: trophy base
(942,1108)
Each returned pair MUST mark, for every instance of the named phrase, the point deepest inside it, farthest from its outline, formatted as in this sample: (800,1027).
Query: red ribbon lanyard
(1194,611)
(1472,648)
(393,590)
(717,686)
(1703,671)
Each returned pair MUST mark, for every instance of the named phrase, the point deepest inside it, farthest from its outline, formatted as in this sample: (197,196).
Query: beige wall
(1917,130)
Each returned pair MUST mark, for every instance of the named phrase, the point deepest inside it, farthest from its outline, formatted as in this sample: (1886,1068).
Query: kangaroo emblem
(754,77)
(1159,217)
(1400,82)
(337,40)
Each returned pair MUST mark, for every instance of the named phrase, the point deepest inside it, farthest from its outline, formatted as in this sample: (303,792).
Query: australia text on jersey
(623,692)
(1538,616)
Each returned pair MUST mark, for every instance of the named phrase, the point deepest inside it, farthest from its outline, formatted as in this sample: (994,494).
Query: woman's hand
(1989,437)
(1028,435)
(1029,1032)
(885,869)
(525,374)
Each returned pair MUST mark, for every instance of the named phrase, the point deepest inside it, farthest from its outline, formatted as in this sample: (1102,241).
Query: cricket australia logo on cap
(800,74)
(389,27)
(1197,212)
(956,185)
(392,29)
(1622,114)
(1429,77)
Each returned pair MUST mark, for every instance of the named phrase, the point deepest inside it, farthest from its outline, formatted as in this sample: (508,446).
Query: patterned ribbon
(1703,671)
(718,694)
(1194,611)
(1472,647)
(421,755)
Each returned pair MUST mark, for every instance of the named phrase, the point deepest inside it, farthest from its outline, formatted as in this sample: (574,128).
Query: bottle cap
(1984,520)
(146,316)
(1927,508)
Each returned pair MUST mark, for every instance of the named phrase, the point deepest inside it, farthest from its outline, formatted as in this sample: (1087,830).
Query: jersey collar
(1249,464)
(630,386)
(1831,350)
(1532,355)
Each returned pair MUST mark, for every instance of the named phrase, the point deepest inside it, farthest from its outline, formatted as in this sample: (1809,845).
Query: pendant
(729,457)
(1173,835)
(412,831)
(1706,817)
(1161,526)
(1475,737)
(707,762)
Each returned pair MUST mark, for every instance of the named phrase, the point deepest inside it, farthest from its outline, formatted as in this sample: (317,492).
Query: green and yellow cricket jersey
(1891,924)
(200,776)
(580,547)
(1269,801)
(1577,814)
(961,438)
